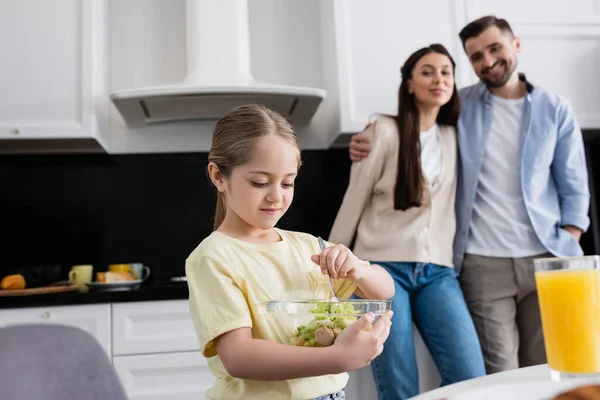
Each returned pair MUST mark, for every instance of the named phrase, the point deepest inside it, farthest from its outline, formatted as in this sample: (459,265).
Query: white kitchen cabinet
(373,38)
(559,48)
(181,376)
(94,319)
(155,351)
(362,385)
(153,327)
(372,41)
(52,81)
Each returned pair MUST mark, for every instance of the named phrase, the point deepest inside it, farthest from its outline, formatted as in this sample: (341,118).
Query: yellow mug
(81,274)
(123,268)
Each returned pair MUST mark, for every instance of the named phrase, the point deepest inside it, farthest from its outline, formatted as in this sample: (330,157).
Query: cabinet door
(153,327)
(94,319)
(559,47)
(362,385)
(373,39)
(181,376)
(52,68)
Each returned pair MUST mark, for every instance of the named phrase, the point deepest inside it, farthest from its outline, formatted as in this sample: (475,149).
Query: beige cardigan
(424,234)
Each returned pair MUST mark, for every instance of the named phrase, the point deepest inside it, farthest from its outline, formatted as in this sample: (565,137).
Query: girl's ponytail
(221,210)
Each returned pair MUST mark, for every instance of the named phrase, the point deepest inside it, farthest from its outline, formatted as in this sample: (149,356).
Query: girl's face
(260,192)
(432,80)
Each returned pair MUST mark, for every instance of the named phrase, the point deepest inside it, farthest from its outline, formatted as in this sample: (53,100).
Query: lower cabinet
(181,376)
(152,327)
(93,318)
(361,385)
(155,352)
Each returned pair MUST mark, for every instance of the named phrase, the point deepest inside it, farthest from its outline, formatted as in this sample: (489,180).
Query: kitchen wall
(149,201)
(151,208)
(155,208)
(62,62)
(353,50)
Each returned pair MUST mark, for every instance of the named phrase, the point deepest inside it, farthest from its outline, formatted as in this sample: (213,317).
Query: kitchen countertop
(167,291)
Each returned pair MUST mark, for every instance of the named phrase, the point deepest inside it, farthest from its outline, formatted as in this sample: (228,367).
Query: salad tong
(334,298)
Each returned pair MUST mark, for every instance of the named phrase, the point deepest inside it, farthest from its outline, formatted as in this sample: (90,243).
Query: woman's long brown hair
(409,184)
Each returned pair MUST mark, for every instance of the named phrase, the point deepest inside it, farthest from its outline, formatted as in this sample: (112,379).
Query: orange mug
(123,268)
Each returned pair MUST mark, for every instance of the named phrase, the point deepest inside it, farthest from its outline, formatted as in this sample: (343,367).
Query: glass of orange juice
(569,297)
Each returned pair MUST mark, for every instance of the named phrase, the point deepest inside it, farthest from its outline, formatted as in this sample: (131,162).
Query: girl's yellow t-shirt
(229,282)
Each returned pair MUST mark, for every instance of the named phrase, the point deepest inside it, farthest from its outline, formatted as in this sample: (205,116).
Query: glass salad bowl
(317,323)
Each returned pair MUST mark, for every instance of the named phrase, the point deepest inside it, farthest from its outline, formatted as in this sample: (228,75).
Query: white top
(500,225)
(431,154)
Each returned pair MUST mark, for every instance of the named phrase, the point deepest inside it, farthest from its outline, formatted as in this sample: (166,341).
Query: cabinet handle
(17,130)
(46,315)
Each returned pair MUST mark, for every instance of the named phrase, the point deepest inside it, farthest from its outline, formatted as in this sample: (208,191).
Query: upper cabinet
(93,318)
(62,58)
(559,48)
(372,41)
(53,62)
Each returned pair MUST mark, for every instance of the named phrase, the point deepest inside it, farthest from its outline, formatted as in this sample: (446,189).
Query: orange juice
(570,309)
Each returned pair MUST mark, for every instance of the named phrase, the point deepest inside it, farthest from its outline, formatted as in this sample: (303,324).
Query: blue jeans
(429,295)
(334,396)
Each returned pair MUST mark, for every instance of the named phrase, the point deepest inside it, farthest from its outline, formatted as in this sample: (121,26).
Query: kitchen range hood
(218,75)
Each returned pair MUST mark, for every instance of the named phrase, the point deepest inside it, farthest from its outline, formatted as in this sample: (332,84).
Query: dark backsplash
(155,209)
(100,209)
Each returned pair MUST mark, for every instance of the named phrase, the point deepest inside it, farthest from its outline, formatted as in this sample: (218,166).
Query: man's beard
(504,79)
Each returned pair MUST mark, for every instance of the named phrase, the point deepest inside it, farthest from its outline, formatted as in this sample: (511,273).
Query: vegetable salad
(324,327)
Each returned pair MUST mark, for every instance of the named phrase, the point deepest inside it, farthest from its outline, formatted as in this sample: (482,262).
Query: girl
(246,261)
(400,203)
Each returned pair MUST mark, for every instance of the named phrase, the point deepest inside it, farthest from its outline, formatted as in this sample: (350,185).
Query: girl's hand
(339,262)
(357,347)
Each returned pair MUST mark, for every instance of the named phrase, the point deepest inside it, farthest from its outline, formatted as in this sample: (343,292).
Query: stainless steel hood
(218,75)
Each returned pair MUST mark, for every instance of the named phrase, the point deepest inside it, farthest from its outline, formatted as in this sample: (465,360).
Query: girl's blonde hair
(233,140)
